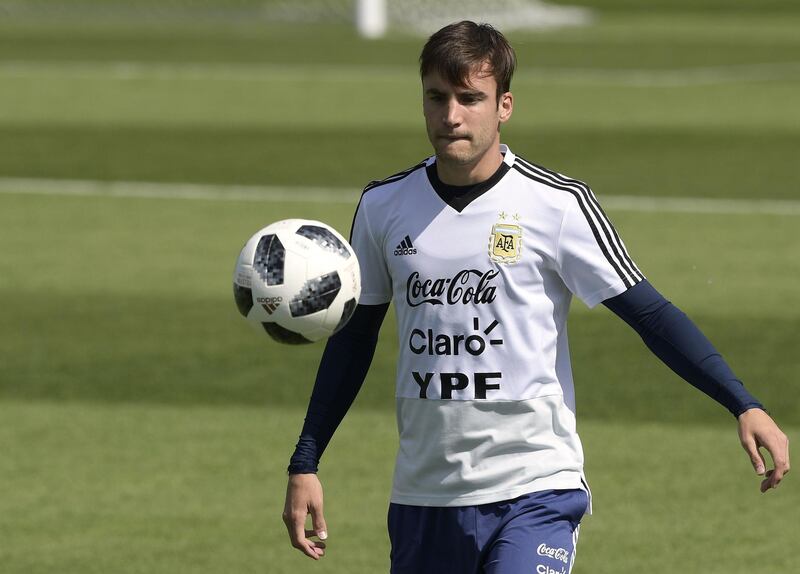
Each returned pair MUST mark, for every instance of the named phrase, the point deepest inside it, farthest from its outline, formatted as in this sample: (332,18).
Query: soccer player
(481,252)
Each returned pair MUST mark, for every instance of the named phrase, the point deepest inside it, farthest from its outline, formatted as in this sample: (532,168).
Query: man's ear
(505,106)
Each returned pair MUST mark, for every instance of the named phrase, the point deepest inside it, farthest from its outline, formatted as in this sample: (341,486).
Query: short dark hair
(457,49)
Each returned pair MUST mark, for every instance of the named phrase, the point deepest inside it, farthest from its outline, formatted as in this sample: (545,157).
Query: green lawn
(126,299)
(145,489)
(144,427)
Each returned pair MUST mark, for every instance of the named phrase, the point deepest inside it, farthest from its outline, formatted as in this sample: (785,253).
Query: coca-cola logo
(468,286)
(554,553)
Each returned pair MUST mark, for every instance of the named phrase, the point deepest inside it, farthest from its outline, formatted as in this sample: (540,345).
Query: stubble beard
(457,153)
(463,152)
(459,159)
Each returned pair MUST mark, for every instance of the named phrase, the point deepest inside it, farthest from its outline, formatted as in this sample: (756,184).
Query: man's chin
(451,154)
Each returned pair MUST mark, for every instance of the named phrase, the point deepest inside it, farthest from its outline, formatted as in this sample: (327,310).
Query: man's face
(463,122)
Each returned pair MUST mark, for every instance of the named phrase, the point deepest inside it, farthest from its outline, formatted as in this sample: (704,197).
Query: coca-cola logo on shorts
(555,553)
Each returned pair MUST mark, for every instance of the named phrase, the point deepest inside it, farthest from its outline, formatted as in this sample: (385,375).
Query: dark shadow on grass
(679,162)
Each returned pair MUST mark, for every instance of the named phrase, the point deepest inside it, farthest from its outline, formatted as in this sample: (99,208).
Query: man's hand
(304,497)
(757,429)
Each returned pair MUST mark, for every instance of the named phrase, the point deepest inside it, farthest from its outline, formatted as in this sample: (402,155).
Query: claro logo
(468,286)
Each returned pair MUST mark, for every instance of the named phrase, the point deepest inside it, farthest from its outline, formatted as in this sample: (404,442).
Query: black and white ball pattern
(269,258)
(297,280)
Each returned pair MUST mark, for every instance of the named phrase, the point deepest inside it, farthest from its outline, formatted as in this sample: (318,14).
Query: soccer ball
(297,280)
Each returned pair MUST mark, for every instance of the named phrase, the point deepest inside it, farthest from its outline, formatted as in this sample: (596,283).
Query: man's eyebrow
(474,94)
(478,94)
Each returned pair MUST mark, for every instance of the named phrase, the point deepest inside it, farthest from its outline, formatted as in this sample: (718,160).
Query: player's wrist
(753,407)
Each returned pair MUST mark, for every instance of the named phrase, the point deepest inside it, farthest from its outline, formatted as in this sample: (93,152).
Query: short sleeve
(592,260)
(376,284)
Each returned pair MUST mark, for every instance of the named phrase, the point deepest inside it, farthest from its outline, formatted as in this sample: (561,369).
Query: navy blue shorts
(532,534)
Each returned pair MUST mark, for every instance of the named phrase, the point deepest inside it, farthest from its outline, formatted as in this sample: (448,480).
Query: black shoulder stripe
(631,265)
(598,209)
(627,280)
(379,182)
(608,228)
(392,178)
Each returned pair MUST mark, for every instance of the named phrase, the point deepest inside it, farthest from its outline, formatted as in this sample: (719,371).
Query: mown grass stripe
(345,195)
(132,70)
(188,191)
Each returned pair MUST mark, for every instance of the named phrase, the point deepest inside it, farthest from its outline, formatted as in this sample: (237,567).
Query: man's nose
(453,111)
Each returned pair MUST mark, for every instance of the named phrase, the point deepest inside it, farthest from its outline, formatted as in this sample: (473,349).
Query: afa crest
(505,243)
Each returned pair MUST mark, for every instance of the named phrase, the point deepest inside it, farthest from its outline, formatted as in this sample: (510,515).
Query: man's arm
(677,341)
(342,370)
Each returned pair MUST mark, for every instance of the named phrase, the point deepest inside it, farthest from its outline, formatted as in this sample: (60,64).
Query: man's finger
(769,481)
(310,533)
(297,533)
(318,547)
(318,522)
(775,476)
(778,447)
(756,458)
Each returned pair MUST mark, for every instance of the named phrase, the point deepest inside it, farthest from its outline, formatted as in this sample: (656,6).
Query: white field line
(211,192)
(191,191)
(701,205)
(122,71)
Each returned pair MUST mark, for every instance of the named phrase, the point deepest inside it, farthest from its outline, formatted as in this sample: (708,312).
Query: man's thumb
(318,523)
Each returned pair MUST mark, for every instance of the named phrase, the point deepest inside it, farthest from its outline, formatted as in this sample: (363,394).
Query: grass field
(145,428)
(142,488)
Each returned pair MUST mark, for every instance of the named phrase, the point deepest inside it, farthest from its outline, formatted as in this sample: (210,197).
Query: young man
(481,251)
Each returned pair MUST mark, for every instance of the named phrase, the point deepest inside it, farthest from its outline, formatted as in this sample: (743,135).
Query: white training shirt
(485,399)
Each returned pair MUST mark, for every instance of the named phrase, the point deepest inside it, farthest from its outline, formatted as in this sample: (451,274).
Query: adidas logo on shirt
(405,247)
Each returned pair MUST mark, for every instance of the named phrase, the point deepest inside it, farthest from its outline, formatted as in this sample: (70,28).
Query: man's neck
(453,173)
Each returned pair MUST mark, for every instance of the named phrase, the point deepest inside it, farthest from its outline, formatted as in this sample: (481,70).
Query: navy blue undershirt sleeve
(677,341)
(342,370)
